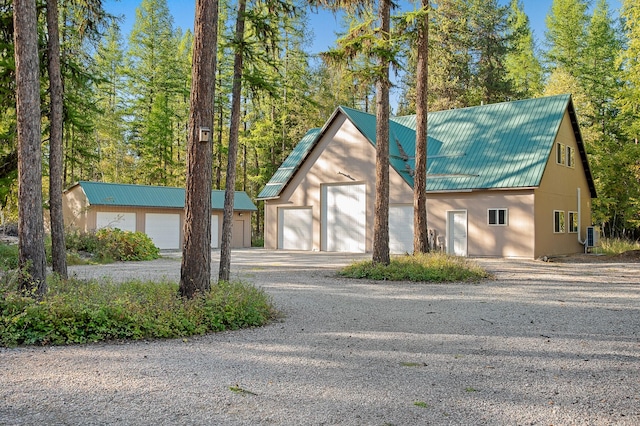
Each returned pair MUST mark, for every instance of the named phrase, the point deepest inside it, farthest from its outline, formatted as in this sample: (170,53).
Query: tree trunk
(195,274)
(232,156)
(420,228)
(58,248)
(32,260)
(381,208)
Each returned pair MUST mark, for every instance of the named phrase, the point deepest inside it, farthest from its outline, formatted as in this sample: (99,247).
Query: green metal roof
(290,165)
(115,194)
(504,145)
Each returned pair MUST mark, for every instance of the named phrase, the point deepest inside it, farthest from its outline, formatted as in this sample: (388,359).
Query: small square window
(573,222)
(571,162)
(559,224)
(498,217)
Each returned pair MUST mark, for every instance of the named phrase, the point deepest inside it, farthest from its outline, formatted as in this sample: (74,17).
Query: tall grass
(613,246)
(431,267)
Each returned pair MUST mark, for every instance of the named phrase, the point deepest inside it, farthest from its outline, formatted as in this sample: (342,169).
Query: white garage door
(345,218)
(214,231)
(401,229)
(163,229)
(122,221)
(295,229)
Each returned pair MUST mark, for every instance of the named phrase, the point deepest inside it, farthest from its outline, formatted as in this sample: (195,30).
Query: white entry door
(344,218)
(214,231)
(401,229)
(163,229)
(295,229)
(457,233)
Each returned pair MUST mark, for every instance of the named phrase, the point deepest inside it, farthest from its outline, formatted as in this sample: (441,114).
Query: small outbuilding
(157,211)
(503,180)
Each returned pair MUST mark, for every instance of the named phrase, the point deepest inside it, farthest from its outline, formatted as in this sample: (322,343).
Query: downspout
(580,220)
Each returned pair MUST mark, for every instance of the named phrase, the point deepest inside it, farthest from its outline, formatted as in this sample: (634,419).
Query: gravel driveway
(543,343)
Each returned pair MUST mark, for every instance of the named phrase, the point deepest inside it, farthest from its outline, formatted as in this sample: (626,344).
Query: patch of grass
(8,256)
(413,364)
(612,246)
(431,267)
(238,389)
(78,311)
(421,404)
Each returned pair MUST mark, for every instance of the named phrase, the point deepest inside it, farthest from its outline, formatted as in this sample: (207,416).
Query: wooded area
(126,96)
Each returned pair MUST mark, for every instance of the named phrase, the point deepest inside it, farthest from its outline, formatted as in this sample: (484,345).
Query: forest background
(126,99)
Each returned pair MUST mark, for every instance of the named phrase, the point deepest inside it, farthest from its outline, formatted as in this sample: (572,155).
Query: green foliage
(521,64)
(432,267)
(8,256)
(108,245)
(89,311)
(618,245)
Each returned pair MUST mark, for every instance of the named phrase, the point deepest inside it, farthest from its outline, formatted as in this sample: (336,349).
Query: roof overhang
(581,148)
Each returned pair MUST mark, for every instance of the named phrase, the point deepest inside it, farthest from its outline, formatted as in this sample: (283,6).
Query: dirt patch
(628,256)
(631,256)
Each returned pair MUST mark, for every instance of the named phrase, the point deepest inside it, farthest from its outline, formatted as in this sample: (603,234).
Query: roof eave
(581,147)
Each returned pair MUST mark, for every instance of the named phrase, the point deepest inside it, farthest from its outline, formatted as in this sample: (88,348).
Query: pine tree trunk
(195,274)
(234,129)
(58,248)
(420,228)
(381,207)
(32,259)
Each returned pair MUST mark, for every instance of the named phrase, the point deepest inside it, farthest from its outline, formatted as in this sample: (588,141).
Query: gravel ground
(543,343)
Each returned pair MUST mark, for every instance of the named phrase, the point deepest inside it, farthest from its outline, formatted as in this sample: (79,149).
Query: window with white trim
(497,217)
(560,153)
(571,161)
(559,223)
(573,222)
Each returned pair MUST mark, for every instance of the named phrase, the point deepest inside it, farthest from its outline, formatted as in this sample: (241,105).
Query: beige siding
(515,239)
(342,156)
(558,191)
(75,209)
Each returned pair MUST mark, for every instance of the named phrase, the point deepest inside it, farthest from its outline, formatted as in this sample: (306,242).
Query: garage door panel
(400,229)
(345,218)
(119,220)
(163,229)
(296,229)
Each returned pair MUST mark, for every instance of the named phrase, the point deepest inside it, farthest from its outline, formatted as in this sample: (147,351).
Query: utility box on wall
(592,237)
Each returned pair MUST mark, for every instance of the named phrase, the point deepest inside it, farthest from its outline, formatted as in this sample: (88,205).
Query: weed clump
(429,267)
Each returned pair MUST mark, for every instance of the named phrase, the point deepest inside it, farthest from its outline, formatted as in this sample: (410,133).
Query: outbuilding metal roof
(290,165)
(496,146)
(116,194)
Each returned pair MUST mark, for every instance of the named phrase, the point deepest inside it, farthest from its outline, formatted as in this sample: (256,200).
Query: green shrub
(108,245)
(89,311)
(126,245)
(433,267)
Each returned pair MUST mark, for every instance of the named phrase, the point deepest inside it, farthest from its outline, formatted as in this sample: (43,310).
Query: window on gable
(558,222)
(573,222)
(571,162)
(498,217)
(560,153)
